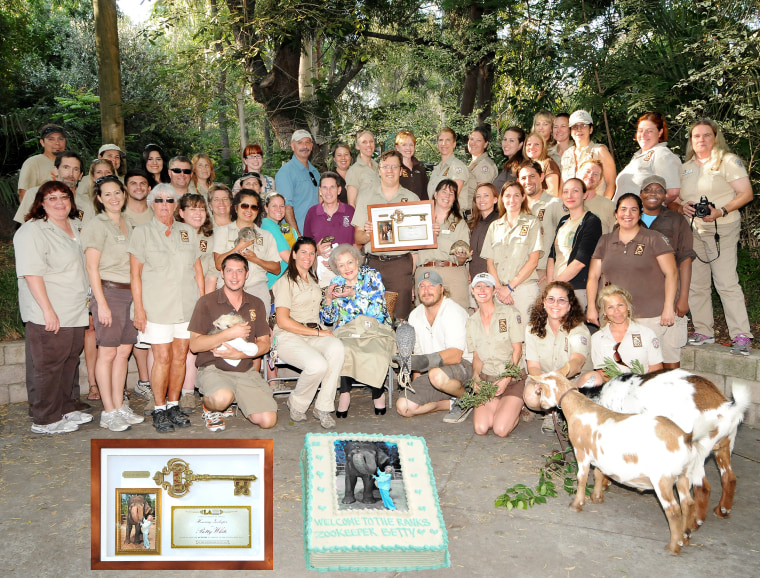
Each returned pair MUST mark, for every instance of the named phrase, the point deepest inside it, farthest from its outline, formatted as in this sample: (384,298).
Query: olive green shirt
(603,208)
(139,218)
(453,169)
(45,250)
(169,288)
(102,234)
(35,171)
(494,344)
(510,247)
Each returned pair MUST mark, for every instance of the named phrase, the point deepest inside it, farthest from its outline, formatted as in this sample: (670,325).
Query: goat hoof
(722,512)
(700,522)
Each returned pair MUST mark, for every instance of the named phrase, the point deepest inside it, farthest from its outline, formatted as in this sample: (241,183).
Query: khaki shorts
(427,393)
(252,394)
(160,334)
(672,339)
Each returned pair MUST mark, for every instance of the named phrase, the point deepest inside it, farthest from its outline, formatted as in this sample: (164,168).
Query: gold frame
(120,550)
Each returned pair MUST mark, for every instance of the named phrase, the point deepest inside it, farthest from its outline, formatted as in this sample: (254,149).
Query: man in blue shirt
(298,180)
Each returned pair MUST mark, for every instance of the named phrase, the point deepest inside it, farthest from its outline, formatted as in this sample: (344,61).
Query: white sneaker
(112,421)
(143,390)
(128,415)
(59,427)
(77,417)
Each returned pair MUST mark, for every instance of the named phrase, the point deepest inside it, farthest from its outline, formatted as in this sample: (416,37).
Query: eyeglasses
(313,179)
(616,355)
(251,157)
(390,168)
(163,200)
(183,171)
(57,198)
(247,206)
(558,300)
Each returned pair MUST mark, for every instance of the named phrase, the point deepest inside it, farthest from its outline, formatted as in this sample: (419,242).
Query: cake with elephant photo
(370,504)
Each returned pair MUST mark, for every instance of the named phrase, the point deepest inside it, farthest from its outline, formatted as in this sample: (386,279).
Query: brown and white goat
(644,451)
(683,397)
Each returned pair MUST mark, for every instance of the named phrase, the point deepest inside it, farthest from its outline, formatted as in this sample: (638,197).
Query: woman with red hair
(253,160)
(653,158)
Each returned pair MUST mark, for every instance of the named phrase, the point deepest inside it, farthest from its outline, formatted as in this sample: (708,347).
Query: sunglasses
(163,200)
(184,171)
(247,206)
(313,179)
(616,355)
(106,179)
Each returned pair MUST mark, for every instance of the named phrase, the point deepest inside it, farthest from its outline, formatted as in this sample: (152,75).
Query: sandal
(94,394)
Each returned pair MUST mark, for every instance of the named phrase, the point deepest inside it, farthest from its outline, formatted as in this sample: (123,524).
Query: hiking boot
(77,417)
(161,421)
(187,402)
(325,419)
(60,427)
(456,414)
(126,413)
(295,415)
(143,390)
(740,345)
(700,338)
(214,420)
(112,421)
(175,415)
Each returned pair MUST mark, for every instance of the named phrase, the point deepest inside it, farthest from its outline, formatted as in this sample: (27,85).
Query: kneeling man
(227,374)
(441,362)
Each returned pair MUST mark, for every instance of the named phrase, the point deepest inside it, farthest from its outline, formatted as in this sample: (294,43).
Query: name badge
(120,238)
(445,232)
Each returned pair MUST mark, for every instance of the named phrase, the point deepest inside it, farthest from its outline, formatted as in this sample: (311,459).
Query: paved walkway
(45,505)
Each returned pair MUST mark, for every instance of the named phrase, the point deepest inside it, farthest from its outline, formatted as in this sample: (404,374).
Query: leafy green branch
(479,392)
(611,369)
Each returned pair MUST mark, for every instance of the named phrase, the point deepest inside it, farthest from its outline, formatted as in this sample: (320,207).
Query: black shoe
(341,413)
(380,410)
(80,405)
(161,421)
(175,415)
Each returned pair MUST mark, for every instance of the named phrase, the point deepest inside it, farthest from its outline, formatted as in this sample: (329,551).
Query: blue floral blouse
(368,299)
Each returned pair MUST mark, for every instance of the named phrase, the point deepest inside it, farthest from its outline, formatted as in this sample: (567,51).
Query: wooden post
(109,72)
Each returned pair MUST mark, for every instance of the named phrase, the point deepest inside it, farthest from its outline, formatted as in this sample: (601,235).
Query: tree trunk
(241,121)
(109,72)
(478,78)
(221,90)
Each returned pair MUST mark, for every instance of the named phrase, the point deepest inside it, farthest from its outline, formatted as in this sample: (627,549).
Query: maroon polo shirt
(319,224)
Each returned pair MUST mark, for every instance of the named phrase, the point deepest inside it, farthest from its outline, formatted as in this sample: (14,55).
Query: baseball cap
(651,180)
(299,134)
(111,147)
(49,129)
(486,278)
(580,117)
(430,276)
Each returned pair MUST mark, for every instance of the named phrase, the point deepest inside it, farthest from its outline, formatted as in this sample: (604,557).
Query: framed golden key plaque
(402,227)
(181,504)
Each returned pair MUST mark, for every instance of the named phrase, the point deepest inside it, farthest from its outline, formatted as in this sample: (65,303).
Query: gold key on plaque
(398,216)
(182,477)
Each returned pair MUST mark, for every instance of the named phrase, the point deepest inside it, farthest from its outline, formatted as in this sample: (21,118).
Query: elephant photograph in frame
(138,525)
(368,476)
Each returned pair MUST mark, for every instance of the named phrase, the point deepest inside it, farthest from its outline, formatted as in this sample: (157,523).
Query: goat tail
(704,427)
(742,398)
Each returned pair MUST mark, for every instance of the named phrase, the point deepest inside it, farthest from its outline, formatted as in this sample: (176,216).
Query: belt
(440,264)
(114,284)
(387,257)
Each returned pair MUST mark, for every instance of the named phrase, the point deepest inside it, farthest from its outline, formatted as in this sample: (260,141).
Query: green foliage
(611,369)
(11,326)
(479,393)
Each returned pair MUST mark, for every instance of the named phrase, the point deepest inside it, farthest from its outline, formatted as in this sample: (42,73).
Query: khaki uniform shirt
(659,160)
(302,298)
(639,343)
(634,267)
(714,183)
(45,250)
(362,175)
(139,218)
(510,248)
(265,248)
(453,169)
(554,351)
(549,210)
(574,157)
(482,170)
(603,208)
(210,307)
(206,245)
(451,232)
(374,196)
(35,171)
(494,346)
(85,206)
(105,236)
(25,205)
(169,289)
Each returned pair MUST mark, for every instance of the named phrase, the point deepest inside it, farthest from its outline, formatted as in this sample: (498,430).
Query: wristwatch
(724,211)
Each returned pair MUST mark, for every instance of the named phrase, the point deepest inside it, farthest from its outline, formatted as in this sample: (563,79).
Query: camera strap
(717,241)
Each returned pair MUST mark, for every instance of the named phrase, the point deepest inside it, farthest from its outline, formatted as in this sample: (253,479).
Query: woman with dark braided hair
(557,338)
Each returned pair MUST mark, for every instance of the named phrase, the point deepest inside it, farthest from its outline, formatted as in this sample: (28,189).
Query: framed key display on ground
(181,504)
(403,226)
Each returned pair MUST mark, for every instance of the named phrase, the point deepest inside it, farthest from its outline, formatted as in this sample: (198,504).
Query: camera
(702,208)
